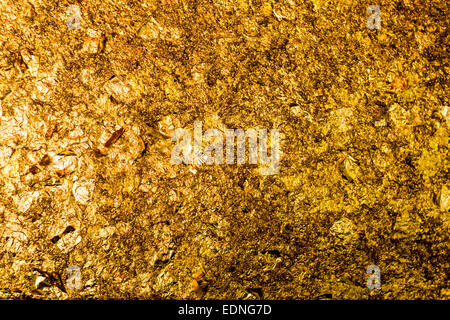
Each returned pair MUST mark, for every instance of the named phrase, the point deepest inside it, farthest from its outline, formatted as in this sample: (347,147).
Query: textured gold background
(85,172)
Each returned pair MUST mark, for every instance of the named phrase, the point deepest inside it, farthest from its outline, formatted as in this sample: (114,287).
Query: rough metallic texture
(88,106)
